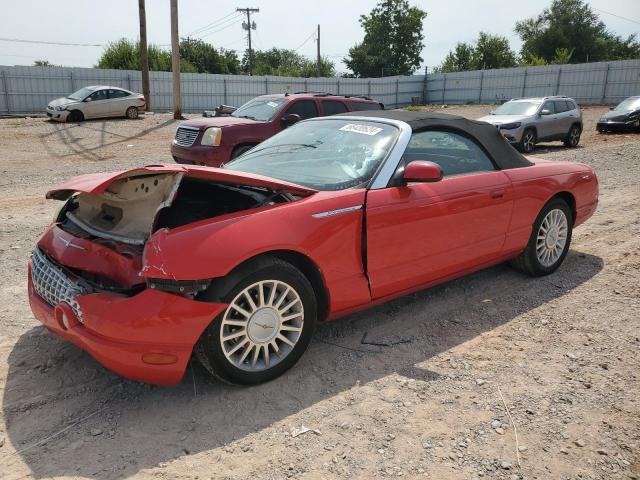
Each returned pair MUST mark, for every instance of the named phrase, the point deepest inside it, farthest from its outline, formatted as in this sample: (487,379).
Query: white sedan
(96,102)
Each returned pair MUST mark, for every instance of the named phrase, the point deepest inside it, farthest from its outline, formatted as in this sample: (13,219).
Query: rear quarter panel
(535,186)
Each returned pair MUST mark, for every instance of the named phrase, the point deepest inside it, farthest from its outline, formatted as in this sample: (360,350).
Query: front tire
(573,137)
(549,242)
(528,141)
(75,116)
(266,327)
(131,113)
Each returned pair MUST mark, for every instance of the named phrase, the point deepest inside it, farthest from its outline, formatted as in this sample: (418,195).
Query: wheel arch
(299,260)
(570,200)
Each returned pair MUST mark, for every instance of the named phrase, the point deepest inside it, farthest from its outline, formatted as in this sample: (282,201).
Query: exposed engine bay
(123,217)
(132,208)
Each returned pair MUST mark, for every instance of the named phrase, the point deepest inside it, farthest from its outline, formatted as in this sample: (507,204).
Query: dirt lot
(562,352)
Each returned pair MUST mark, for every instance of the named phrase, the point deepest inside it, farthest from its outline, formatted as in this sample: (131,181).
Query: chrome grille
(53,284)
(186,136)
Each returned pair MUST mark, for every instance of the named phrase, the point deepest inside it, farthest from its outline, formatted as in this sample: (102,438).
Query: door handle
(497,194)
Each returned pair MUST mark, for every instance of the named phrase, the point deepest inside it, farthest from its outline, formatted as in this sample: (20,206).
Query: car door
(547,125)
(422,232)
(333,107)
(564,118)
(119,101)
(304,108)
(96,105)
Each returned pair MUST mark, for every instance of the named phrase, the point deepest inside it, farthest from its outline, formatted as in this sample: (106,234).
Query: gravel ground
(561,352)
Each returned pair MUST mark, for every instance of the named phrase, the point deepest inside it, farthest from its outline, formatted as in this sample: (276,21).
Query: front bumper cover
(118,331)
(201,155)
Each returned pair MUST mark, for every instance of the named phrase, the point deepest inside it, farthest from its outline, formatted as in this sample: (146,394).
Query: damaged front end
(100,234)
(88,280)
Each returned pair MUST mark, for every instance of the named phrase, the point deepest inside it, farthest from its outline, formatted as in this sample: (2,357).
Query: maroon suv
(214,141)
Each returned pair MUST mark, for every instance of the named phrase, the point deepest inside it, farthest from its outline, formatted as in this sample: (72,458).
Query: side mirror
(88,99)
(611,108)
(290,119)
(422,171)
(545,111)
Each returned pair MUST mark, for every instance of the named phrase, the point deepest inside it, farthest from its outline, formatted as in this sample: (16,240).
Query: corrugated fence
(29,89)
(587,83)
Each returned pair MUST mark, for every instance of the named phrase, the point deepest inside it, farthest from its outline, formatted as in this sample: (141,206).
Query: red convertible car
(147,267)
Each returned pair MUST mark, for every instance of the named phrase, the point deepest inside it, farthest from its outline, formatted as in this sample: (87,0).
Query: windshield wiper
(246,116)
(302,145)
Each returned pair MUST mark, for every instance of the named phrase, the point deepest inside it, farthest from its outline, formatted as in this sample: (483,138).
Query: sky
(280,23)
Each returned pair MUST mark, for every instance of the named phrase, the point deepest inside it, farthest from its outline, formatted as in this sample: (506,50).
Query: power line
(217,28)
(617,16)
(38,42)
(219,20)
(305,41)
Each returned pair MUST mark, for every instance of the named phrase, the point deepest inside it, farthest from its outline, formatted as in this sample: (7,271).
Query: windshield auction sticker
(364,129)
(272,104)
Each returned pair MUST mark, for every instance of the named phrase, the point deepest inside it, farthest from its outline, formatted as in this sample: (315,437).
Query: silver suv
(527,121)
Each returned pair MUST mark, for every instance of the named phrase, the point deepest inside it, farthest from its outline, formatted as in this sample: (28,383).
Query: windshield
(262,108)
(628,104)
(324,154)
(517,108)
(81,94)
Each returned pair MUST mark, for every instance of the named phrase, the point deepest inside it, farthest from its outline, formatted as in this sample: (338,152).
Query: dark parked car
(625,116)
(214,141)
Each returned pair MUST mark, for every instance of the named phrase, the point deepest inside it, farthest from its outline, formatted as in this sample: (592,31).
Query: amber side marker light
(159,358)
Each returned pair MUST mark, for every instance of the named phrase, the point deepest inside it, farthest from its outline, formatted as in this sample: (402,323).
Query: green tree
(206,59)
(489,51)
(532,61)
(573,26)
(196,56)
(458,60)
(393,41)
(562,56)
(283,62)
(493,51)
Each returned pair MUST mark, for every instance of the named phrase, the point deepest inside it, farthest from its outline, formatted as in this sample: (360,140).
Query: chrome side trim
(330,213)
(385,172)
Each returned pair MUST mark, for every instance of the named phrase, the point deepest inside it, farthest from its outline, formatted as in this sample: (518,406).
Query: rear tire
(75,116)
(131,113)
(549,242)
(527,143)
(573,137)
(266,327)
(240,150)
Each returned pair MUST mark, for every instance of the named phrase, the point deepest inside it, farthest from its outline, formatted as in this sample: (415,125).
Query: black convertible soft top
(503,154)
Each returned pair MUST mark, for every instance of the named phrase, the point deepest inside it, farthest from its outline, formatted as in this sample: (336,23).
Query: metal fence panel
(25,90)
(588,83)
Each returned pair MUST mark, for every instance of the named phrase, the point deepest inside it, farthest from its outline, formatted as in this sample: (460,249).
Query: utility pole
(175,61)
(144,57)
(248,26)
(319,59)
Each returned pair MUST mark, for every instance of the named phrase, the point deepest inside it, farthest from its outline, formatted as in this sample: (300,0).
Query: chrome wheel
(529,141)
(262,325)
(132,113)
(552,237)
